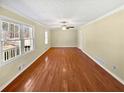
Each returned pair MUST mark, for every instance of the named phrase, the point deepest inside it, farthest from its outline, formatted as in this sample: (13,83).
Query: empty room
(61,45)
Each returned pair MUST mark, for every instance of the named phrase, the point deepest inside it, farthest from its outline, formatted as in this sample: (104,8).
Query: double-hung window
(15,39)
(27,38)
(10,40)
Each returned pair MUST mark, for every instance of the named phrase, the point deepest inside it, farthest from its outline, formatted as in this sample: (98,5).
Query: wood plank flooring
(64,69)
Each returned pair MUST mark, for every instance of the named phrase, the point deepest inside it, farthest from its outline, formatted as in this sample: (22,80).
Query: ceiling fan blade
(70,27)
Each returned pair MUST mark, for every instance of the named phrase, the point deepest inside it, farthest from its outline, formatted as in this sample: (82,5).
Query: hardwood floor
(64,69)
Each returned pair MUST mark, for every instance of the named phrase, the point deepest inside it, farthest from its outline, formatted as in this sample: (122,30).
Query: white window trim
(6,19)
(10,61)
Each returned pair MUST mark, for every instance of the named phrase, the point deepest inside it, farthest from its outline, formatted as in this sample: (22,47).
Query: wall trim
(4,86)
(90,22)
(62,46)
(22,15)
(104,16)
(112,74)
(11,20)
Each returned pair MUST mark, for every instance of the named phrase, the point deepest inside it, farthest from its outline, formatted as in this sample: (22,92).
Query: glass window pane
(11,31)
(31,33)
(28,45)
(0,52)
(27,32)
(17,31)
(4,30)
(10,49)
(4,26)
(46,37)
(0,47)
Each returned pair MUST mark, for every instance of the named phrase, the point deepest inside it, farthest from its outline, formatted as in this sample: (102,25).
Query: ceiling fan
(65,26)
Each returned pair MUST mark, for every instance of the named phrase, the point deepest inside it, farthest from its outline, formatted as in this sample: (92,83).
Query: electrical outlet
(114,67)
(21,67)
(101,61)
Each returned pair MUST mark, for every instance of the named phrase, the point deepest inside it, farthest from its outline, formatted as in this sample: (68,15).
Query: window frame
(30,38)
(15,22)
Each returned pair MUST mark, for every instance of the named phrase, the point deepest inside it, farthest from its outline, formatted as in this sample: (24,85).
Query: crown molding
(24,16)
(104,16)
(90,22)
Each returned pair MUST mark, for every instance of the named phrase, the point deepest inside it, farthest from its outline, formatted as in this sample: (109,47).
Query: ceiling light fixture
(64,27)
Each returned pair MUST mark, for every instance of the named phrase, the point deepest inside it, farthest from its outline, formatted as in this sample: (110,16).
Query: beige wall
(8,71)
(104,41)
(64,38)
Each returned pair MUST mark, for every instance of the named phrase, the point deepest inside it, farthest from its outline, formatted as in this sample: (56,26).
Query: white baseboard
(2,87)
(115,76)
(63,46)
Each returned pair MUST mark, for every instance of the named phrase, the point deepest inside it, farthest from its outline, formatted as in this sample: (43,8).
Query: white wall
(103,40)
(64,38)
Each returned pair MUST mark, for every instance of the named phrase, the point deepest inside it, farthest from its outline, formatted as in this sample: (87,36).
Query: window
(28,38)
(15,39)
(46,37)
(11,49)
(10,40)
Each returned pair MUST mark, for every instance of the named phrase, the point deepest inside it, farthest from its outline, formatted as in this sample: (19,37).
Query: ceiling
(52,12)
